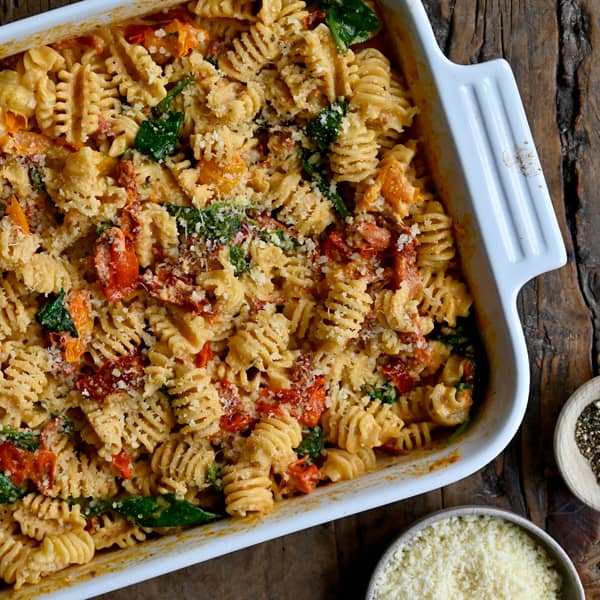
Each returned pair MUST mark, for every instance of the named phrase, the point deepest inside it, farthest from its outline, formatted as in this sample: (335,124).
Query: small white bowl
(573,466)
(572,586)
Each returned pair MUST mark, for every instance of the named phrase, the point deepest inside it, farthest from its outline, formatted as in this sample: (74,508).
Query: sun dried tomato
(334,247)
(119,375)
(234,420)
(122,463)
(306,404)
(20,464)
(237,422)
(400,376)
(41,469)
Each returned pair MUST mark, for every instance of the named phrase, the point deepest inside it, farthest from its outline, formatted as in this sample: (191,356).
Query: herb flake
(9,492)
(316,169)
(312,443)
(237,257)
(218,222)
(324,129)
(386,392)
(28,440)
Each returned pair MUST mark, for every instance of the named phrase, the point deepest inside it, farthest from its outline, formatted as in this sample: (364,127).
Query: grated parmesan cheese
(470,558)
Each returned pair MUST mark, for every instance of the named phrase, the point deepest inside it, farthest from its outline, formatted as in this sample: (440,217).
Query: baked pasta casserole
(225,276)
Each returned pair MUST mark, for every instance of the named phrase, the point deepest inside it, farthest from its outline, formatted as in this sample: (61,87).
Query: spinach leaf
(460,338)
(463,386)
(280,238)
(55,316)
(218,222)
(324,129)
(29,440)
(312,443)
(314,167)
(458,432)
(350,22)
(158,138)
(150,511)
(36,178)
(386,393)
(237,257)
(165,104)
(9,492)
(213,474)
(213,60)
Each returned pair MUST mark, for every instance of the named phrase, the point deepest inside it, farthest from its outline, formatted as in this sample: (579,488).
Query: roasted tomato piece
(300,476)
(234,419)
(405,268)
(312,403)
(122,463)
(204,356)
(116,264)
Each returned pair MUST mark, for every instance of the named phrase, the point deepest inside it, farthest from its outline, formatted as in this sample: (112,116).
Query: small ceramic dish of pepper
(577,443)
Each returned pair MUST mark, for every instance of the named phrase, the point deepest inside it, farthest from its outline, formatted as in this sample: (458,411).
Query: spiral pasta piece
(149,423)
(230,9)
(342,314)
(300,205)
(182,463)
(354,154)
(350,426)
(14,315)
(181,333)
(415,436)
(443,297)
(261,343)
(371,83)
(138,77)
(118,331)
(57,552)
(39,516)
(195,401)
(273,440)
(76,110)
(251,52)
(24,378)
(113,530)
(436,240)
(15,554)
(341,465)
(448,406)
(247,489)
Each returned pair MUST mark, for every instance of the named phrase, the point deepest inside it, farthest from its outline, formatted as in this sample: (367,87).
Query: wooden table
(551,47)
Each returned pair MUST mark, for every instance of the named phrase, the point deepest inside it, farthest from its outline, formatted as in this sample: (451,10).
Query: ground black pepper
(587,435)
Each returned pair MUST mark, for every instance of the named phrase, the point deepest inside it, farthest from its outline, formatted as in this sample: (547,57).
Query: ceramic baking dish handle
(510,196)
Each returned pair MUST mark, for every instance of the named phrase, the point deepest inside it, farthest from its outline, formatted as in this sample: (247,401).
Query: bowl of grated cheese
(475,552)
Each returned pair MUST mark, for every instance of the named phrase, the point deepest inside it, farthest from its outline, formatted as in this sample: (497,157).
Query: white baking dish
(487,167)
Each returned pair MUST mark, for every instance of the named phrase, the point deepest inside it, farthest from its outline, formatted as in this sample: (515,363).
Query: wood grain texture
(552,46)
